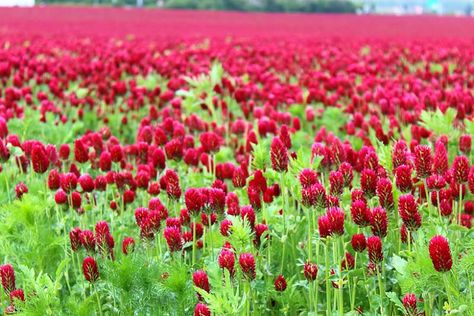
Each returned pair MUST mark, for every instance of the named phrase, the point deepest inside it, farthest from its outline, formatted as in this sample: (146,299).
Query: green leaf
(395,300)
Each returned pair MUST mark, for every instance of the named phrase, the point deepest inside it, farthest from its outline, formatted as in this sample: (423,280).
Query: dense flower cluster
(240,175)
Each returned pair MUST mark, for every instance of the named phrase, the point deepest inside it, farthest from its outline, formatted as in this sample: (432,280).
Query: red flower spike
(310,271)
(423,161)
(7,275)
(374,248)
(279,155)
(90,269)
(280,283)
(440,253)
(247,265)
(359,242)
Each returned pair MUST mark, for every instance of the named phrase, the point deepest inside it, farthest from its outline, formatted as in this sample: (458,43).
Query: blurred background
(400,7)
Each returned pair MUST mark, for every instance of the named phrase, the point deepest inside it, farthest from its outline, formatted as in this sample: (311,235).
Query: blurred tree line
(327,6)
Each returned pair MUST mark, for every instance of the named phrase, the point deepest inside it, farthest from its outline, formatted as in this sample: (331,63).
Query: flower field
(205,163)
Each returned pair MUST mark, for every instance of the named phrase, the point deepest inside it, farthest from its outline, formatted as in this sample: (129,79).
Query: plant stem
(98,301)
(308,216)
(328,289)
(381,289)
(446,286)
(193,259)
(340,289)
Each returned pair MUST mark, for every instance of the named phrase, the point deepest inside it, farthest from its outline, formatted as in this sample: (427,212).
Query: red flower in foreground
(128,245)
(310,271)
(335,216)
(408,210)
(201,310)
(247,264)
(374,247)
(20,190)
(17,294)
(90,269)
(440,254)
(409,302)
(379,221)
(279,155)
(280,283)
(8,277)
(461,169)
(422,161)
(358,242)
(227,260)
(201,280)
(173,238)
(39,159)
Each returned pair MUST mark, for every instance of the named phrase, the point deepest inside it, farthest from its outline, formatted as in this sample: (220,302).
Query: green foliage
(50,132)
(440,123)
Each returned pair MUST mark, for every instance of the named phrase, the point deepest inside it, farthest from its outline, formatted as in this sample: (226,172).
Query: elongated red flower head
(384,193)
(201,310)
(399,154)
(409,302)
(347,172)
(461,169)
(348,263)
(194,200)
(360,213)
(102,230)
(336,181)
(374,248)
(324,226)
(39,159)
(226,260)
(81,154)
(53,180)
(201,281)
(403,179)
(209,141)
(423,161)
(17,295)
(173,188)
(440,253)
(379,221)
(358,242)
(280,283)
(465,142)
(408,210)
(88,240)
(75,238)
(284,136)
(128,245)
(440,159)
(173,238)
(368,182)
(8,277)
(279,155)
(308,177)
(335,217)
(90,269)
(20,190)
(310,271)
(247,265)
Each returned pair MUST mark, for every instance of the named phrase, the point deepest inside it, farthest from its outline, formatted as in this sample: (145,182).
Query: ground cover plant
(257,170)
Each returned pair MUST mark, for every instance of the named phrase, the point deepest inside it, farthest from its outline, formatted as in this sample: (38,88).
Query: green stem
(381,289)
(446,286)
(340,289)
(308,216)
(98,301)
(193,260)
(328,289)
